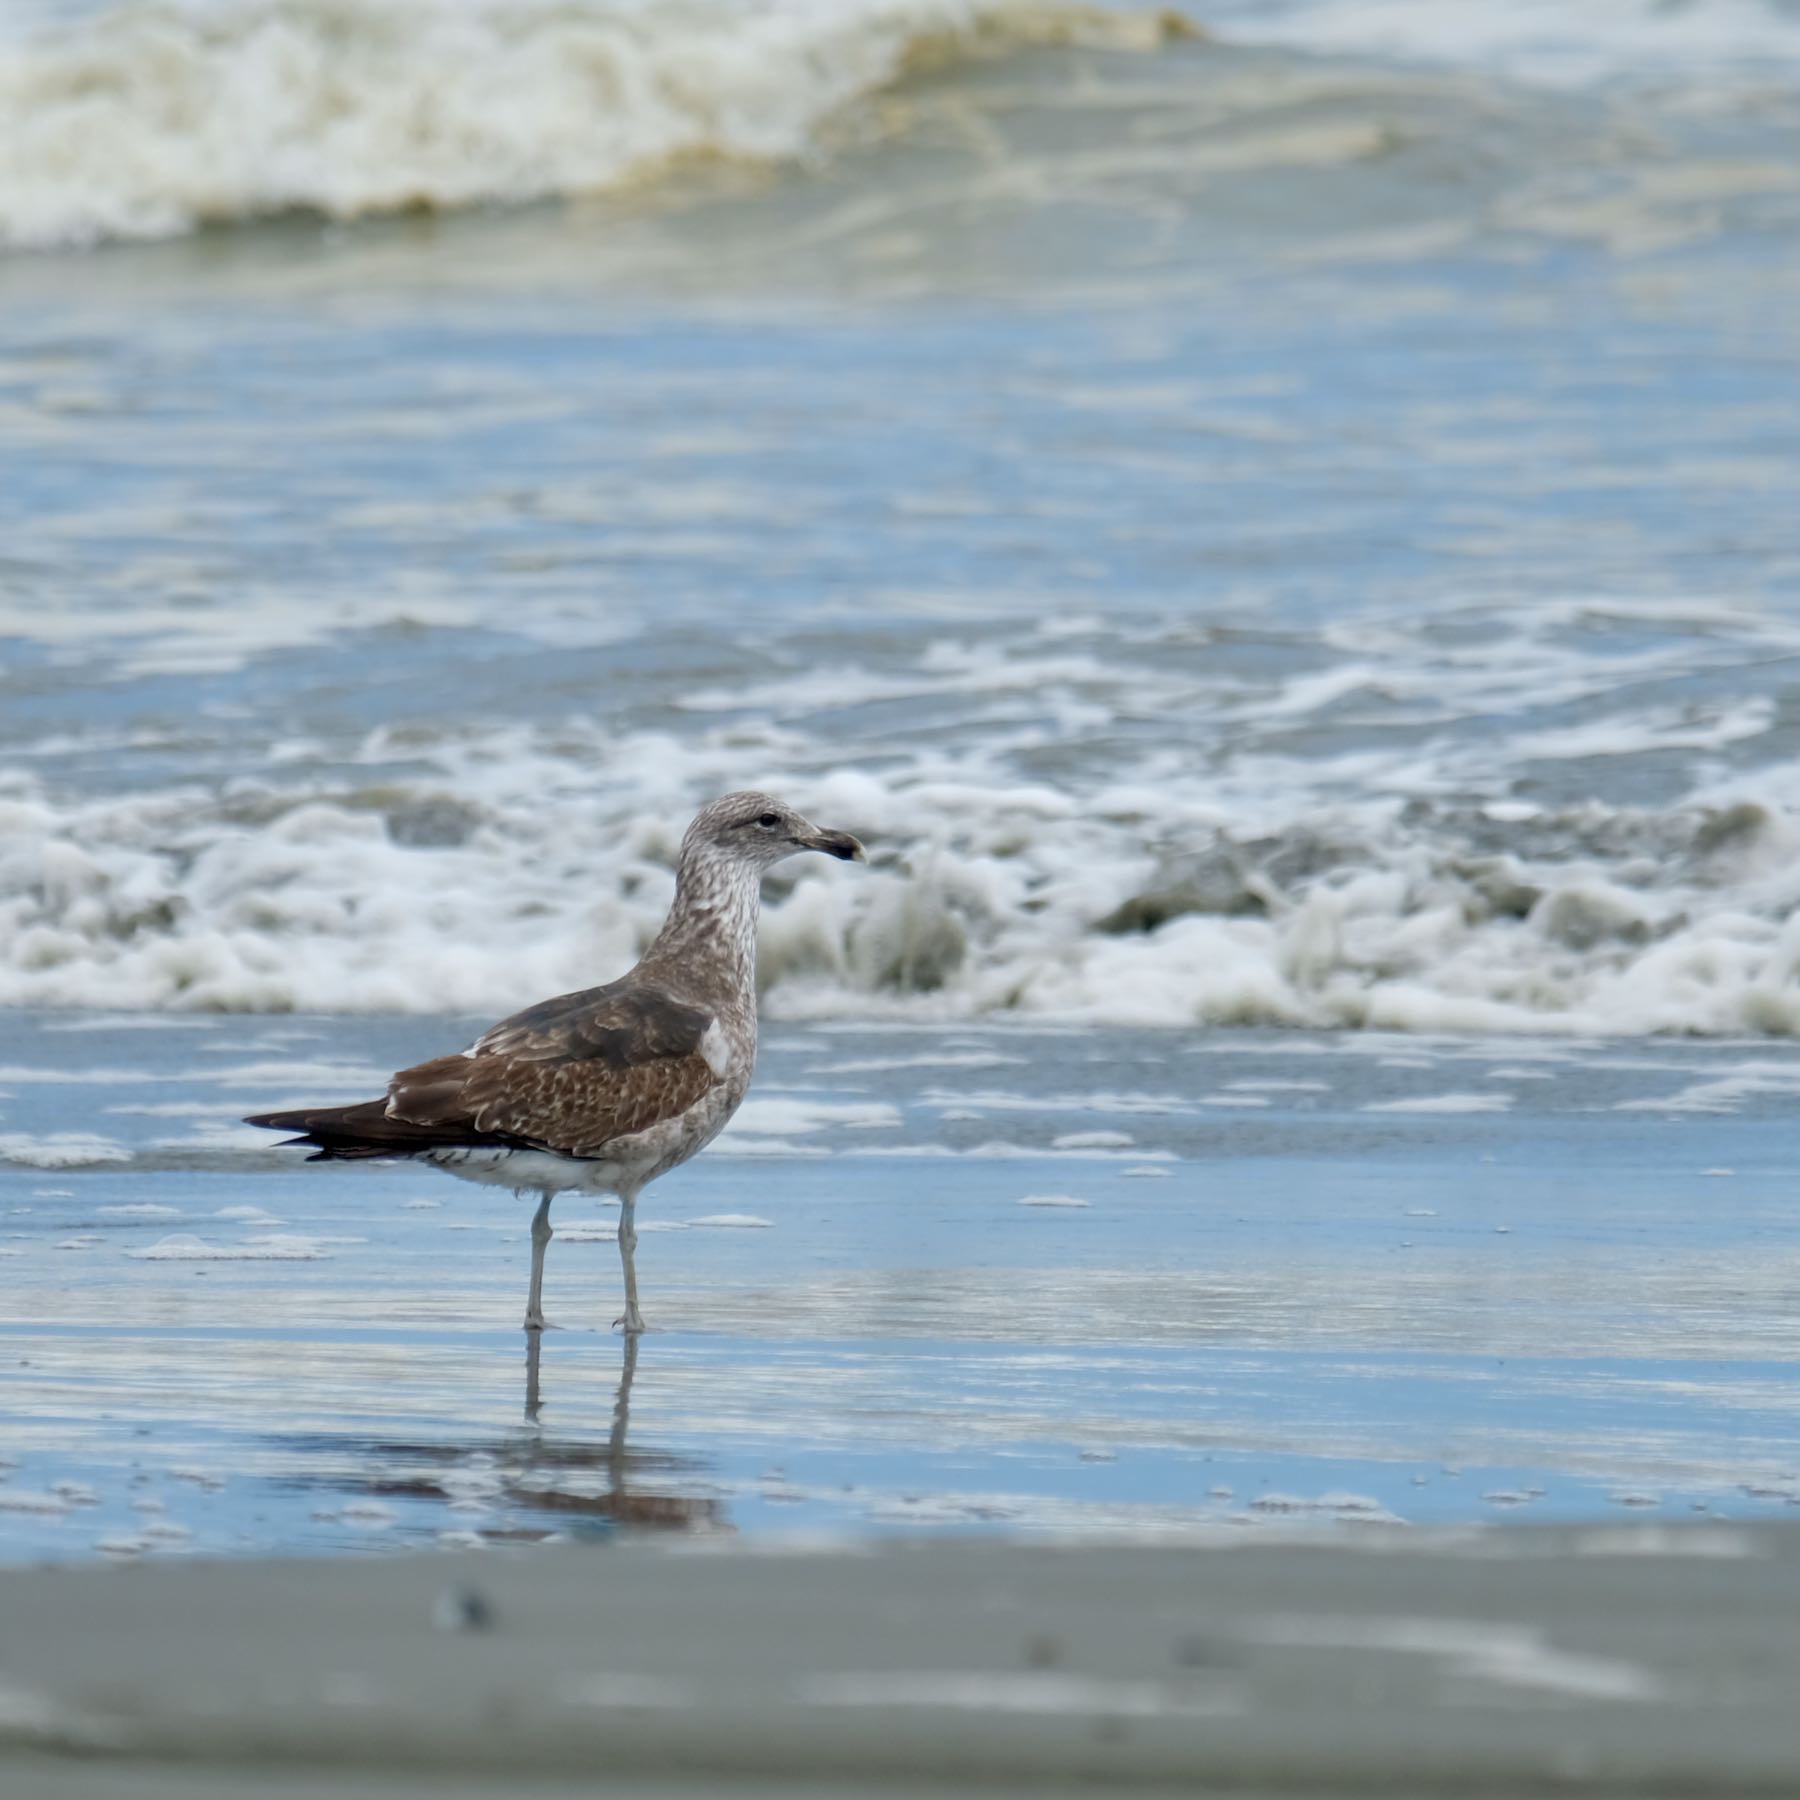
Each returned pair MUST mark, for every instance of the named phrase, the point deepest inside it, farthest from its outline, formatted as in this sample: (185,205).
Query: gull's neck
(707,945)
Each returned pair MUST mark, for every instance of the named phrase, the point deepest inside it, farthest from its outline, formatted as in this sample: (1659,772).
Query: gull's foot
(537,1322)
(631,1322)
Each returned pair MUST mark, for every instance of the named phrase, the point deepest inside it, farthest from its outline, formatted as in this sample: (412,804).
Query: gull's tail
(364,1130)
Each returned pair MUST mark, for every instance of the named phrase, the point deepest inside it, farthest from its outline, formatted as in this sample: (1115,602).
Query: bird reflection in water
(623,1505)
(533,1484)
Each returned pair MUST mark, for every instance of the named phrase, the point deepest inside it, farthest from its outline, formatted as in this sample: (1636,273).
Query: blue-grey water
(1004,1280)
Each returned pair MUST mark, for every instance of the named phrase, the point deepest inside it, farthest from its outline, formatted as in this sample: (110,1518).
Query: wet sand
(1010,1282)
(1605,1660)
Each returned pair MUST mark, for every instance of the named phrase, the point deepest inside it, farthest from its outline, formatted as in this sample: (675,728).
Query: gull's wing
(571,1074)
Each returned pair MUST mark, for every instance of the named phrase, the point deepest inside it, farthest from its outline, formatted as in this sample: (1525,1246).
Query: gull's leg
(631,1320)
(540,1242)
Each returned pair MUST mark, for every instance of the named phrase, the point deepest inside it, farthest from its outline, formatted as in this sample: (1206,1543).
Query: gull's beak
(834,843)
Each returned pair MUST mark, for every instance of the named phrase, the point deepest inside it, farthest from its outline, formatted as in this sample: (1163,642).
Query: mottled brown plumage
(569,1075)
(575,1105)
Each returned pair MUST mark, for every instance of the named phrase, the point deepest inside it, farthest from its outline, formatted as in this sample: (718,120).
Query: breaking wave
(151,120)
(512,868)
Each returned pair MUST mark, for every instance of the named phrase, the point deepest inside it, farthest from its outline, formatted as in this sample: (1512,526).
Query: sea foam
(982,902)
(155,118)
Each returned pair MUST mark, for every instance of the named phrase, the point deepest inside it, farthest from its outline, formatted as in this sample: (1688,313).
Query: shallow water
(1084,1282)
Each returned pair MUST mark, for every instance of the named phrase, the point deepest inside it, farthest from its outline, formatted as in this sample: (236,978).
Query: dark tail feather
(366,1130)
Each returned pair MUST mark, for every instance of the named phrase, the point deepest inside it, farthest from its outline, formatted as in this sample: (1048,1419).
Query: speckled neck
(706,949)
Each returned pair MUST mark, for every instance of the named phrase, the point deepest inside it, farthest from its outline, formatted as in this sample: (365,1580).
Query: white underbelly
(533,1169)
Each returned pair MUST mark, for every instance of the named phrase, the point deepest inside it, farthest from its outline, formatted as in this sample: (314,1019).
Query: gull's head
(759,830)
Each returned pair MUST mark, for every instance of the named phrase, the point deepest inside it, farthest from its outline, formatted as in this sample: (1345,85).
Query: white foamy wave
(1344,853)
(152,119)
(1330,917)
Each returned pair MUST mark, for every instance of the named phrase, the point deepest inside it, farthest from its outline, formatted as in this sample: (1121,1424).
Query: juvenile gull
(609,1088)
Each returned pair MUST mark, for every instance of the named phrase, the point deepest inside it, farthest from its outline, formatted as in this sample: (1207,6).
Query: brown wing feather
(622,1025)
(580,1107)
(570,1074)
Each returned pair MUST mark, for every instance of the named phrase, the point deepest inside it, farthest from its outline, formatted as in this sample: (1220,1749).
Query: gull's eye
(769,821)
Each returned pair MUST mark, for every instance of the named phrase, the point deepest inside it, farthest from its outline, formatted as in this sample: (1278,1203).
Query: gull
(603,1090)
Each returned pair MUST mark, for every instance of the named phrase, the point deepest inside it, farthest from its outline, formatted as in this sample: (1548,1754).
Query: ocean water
(1286,515)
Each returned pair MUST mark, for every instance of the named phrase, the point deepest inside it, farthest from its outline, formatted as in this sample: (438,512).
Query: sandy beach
(1607,1661)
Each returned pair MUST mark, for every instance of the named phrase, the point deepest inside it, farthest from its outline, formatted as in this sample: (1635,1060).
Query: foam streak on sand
(270,1247)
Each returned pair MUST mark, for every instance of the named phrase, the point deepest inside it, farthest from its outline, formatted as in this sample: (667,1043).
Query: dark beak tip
(843,846)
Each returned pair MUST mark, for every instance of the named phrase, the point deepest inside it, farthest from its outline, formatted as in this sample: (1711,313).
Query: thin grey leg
(631,1320)
(540,1242)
